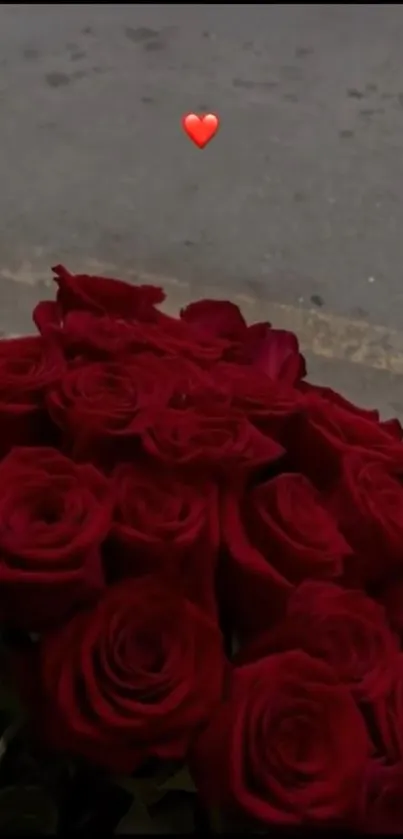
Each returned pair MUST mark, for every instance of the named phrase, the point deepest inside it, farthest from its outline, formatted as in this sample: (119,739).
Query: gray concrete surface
(298,200)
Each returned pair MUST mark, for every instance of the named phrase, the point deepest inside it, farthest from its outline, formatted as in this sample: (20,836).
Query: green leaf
(8,735)
(216,822)
(10,701)
(144,790)
(136,820)
(25,811)
(181,781)
(150,791)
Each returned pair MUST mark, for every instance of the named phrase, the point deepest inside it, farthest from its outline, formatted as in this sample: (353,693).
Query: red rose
(391,597)
(345,628)
(191,386)
(174,337)
(94,336)
(269,405)
(216,318)
(215,439)
(386,714)
(288,747)
(164,524)
(102,407)
(392,426)
(381,803)
(54,516)
(86,335)
(274,351)
(105,296)
(131,679)
(277,534)
(368,504)
(27,369)
(279,357)
(330,430)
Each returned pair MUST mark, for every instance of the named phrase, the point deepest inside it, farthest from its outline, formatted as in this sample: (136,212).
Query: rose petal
(132,679)
(218,318)
(100,294)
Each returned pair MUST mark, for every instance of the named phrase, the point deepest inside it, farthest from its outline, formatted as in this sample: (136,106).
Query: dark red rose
(386,714)
(27,370)
(54,516)
(131,679)
(94,335)
(216,318)
(215,439)
(105,296)
(368,504)
(86,335)
(166,525)
(392,426)
(102,407)
(288,747)
(174,337)
(91,336)
(274,351)
(380,808)
(279,357)
(192,386)
(268,405)
(277,534)
(328,429)
(47,317)
(391,598)
(345,628)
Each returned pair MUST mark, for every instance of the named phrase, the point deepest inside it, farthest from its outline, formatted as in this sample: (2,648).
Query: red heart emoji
(200,129)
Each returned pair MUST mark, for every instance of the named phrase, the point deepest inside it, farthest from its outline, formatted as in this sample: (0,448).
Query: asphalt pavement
(294,209)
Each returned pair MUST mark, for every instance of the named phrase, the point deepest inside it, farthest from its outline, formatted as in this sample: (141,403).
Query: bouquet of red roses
(208,553)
